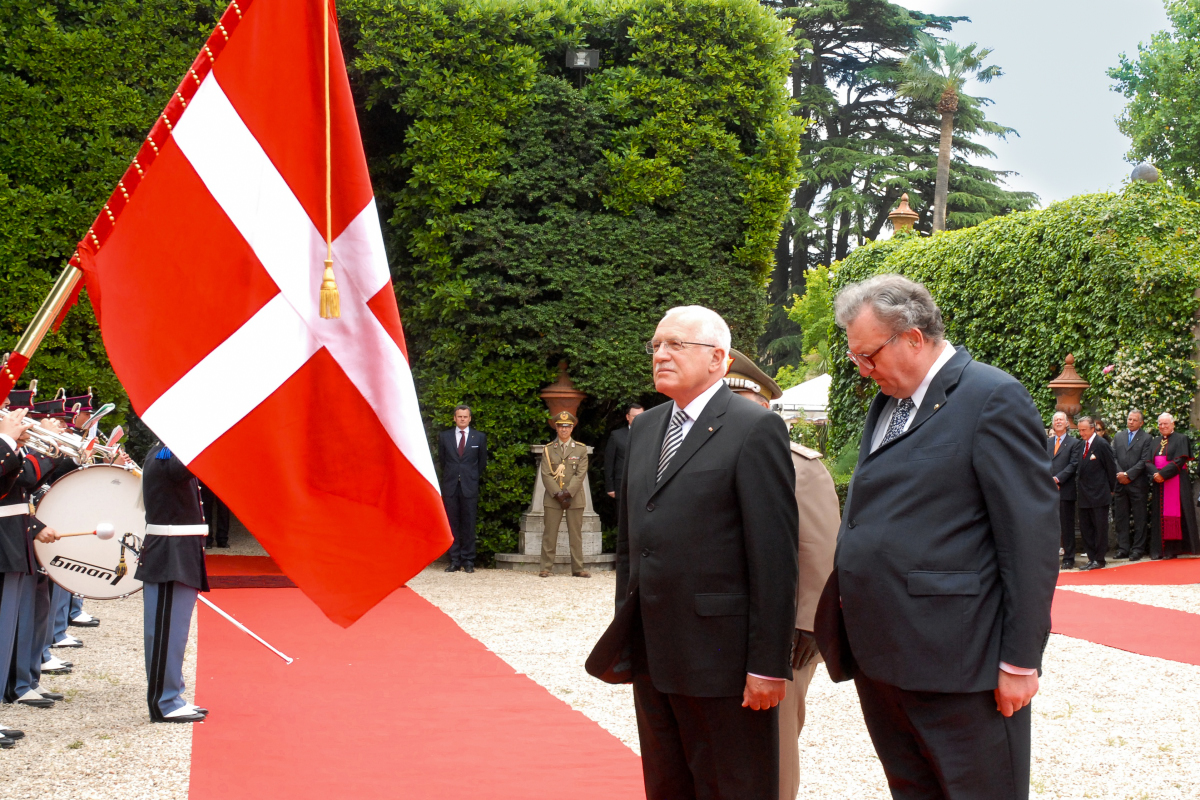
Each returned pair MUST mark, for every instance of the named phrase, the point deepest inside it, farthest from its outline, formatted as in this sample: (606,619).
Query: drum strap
(176,530)
(15,510)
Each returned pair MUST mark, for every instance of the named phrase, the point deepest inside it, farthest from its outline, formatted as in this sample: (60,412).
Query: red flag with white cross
(205,269)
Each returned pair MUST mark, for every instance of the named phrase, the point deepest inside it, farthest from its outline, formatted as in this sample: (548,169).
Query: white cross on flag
(205,269)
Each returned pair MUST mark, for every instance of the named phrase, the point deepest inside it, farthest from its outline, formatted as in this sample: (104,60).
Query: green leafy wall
(1110,278)
(533,213)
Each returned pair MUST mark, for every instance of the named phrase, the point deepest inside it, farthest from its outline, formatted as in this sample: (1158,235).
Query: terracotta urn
(1068,388)
(903,218)
(562,395)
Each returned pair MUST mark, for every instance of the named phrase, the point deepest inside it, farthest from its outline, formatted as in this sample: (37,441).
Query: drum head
(80,501)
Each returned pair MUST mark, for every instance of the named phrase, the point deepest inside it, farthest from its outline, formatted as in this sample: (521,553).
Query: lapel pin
(936,406)
(710,430)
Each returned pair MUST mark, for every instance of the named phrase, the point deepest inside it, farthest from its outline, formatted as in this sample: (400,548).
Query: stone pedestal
(533,522)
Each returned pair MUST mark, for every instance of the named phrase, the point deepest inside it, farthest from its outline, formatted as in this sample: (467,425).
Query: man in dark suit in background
(939,603)
(1131,448)
(615,450)
(462,453)
(1064,451)
(1095,480)
(706,575)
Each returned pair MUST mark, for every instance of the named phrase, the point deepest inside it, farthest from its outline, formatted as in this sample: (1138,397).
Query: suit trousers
(1093,529)
(553,519)
(1066,526)
(56,627)
(461,512)
(10,601)
(705,748)
(791,723)
(166,617)
(1129,500)
(945,745)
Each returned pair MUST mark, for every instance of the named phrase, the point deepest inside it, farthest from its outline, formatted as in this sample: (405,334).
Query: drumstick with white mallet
(105,530)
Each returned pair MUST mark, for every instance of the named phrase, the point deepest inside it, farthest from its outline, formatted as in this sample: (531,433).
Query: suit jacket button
(851,524)
(649,506)
(645,552)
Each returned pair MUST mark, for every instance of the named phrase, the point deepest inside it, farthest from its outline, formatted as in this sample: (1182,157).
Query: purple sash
(1172,529)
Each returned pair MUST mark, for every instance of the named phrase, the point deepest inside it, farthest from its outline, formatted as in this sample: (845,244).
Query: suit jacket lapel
(702,429)
(936,396)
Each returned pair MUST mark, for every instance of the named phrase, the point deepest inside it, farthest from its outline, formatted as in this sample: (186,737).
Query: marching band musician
(171,567)
(14,557)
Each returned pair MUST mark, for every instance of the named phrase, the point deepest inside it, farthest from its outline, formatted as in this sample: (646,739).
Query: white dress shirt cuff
(1011,670)
(765,677)
(8,440)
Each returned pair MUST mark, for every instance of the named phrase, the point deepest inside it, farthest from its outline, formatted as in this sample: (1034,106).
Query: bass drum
(79,501)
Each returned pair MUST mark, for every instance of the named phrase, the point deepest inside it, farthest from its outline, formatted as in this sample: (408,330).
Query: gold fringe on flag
(331,306)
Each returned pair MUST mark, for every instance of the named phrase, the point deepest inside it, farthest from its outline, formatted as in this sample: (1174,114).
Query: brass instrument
(79,449)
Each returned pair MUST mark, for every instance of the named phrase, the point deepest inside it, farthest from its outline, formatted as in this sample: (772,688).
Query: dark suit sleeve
(1143,454)
(1011,465)
(623,538)
(1110,465)
(1068,472)
(610,458)
(766,485)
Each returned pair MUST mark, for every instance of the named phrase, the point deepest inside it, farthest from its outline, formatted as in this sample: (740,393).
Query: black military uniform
(14,565)
(171,567)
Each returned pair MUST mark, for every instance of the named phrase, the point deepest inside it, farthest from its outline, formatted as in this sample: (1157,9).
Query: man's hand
(761,694)
(1014,692)
(612,494)
(15,424)
(1122,478)
(47,535)
(804,649)
(1056,485)
(1158,478)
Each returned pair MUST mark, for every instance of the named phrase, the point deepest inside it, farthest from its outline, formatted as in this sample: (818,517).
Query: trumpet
(52,444)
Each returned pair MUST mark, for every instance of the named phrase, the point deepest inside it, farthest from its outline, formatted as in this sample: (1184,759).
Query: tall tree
(1162,117)
(935,72)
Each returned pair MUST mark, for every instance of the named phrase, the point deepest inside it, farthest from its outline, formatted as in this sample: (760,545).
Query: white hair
(1166,416)
(710,327)
(1058,414)
(899,303)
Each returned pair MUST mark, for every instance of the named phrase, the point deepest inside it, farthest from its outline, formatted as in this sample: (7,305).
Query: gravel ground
(99,743)
(1107,724)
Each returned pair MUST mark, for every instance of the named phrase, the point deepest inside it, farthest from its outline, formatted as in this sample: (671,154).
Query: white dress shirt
(9,440)
(695,408)
(885,418)
(460,436)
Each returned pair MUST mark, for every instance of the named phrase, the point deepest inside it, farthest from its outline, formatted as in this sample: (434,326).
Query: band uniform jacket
(172,497)
(1064,464)
(17,479)
(947,556)
(461,475)
(707,556)
(1097,475)
(614,459)
(820,518)
(1131,457)
(573,458)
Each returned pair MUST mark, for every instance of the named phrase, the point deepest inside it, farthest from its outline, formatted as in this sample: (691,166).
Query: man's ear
(720,361)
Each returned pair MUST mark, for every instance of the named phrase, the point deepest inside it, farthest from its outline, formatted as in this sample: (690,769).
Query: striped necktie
(671,443)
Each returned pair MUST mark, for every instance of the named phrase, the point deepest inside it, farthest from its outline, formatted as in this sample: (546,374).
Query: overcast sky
(1054,90)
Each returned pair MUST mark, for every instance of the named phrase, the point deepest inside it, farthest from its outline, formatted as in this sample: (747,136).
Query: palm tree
(935,72)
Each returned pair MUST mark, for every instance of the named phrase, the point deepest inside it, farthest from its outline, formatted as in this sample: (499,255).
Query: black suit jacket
(1131,459)
(1064,464)
(461,475)
(707,557)
(1097,475)
(948,552)
(614,459)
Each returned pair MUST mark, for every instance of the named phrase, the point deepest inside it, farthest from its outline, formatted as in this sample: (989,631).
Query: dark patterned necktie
(462,443)
(899,420)
(671,443)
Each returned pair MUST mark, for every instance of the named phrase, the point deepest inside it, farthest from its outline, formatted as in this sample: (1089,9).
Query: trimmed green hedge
(535,213)
(1110,278)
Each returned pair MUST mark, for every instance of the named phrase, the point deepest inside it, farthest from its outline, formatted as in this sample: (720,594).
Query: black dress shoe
(91,623)
(6,743)
(12,733)
(1120,554)
(182,718)
(1168,556)
(1136,556)
(51,695)
(468,568)
(41,702)
(452,568)
(1068,564)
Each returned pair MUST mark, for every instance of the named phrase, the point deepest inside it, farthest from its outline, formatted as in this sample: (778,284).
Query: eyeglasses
(867,360)
(673,345)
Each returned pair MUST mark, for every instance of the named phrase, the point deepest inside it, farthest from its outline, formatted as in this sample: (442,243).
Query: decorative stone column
(559,396)
(1068,388)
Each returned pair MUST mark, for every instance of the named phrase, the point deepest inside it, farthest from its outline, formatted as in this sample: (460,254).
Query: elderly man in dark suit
(462,453)
(615,450)
(1064,451)
(706,575)
(939,603)
(1095,481)
(1131,447)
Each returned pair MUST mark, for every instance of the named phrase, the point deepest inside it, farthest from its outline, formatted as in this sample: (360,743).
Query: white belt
(14,510)
(177,530)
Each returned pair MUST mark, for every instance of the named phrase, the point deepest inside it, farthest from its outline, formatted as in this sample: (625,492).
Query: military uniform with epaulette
(564,467)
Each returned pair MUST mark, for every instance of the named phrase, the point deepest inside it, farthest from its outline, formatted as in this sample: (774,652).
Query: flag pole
(62,293)
(330,302)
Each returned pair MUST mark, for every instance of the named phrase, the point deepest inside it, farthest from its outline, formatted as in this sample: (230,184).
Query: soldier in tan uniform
(820,519)
(564,467)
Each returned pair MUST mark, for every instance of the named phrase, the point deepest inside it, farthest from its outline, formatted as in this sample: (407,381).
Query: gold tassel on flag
(331,306)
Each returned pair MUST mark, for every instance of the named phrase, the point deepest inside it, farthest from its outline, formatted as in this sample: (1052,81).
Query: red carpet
(403,704)
(245,572)
(1133,627)
(1176,572)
